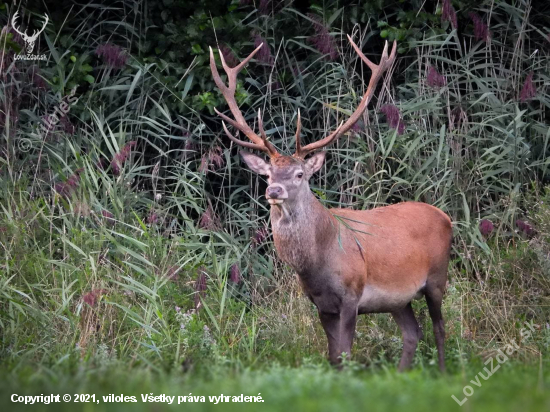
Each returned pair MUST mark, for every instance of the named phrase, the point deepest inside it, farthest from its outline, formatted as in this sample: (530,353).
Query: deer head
(30,40)
(288,175)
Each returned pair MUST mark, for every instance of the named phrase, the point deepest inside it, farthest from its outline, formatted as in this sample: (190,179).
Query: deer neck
(302,231)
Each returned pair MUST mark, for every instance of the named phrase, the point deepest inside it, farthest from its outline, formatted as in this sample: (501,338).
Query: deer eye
(300,175)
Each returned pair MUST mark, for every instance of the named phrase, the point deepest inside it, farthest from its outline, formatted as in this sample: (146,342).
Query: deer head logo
(29,40)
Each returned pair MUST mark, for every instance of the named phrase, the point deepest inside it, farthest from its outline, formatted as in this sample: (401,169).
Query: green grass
(514,387)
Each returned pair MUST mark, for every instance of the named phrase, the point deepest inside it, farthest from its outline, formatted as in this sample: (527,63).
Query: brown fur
(359,261)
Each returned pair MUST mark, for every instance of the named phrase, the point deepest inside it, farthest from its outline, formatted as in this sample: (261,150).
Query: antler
(258,142)
(13,20)
(377,72)
(37,32)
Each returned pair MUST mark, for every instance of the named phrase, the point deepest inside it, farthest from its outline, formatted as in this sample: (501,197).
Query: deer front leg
(340,329)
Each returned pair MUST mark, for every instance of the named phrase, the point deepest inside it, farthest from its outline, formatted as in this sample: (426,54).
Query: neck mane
(301,231)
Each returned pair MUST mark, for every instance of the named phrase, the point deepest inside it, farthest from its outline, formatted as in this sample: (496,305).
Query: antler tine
(298,130)
(270,148)
(377,72)
(248,145)
(259,143)
(13,20)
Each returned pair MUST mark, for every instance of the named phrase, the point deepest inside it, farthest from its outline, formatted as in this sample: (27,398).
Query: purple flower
(393,117)
(322,40)
(200,287)
(152,218)
(209,220)
(112,55)
(68,187)
(486,227)
(481,29)
(528,91)
(178,309)
(92,297)
(525,228)
(235,274)
(121,157)
(264,54)
(448,13)
(212,160)
(435,79)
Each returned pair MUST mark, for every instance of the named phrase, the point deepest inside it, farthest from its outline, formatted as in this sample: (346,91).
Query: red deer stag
(349,262)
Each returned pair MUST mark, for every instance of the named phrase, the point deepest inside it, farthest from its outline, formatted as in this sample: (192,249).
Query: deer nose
(273,192)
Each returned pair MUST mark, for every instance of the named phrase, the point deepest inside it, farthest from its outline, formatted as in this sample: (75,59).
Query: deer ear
(314,163)
(255,163)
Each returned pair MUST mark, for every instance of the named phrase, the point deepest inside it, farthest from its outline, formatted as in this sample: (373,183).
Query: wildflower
(435,79)
(525,228)
(228,55)
(448,13)
(68,187)
(212,160)
(486,227)
(113,55)
(121,157)
(209,220)
(264,54)
(235,274)
(92,297)
(200,287)
(393,117)
(322,40)
(481,29)
(178,309)
(152,218)
(528,91)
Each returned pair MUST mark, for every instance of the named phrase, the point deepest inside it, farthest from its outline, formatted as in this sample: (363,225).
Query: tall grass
(159,258)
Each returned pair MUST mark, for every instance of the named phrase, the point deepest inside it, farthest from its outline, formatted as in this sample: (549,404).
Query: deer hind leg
(340,329)
(434,298)
(411,334)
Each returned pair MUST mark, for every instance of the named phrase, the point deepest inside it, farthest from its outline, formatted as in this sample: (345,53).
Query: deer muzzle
(276,194)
